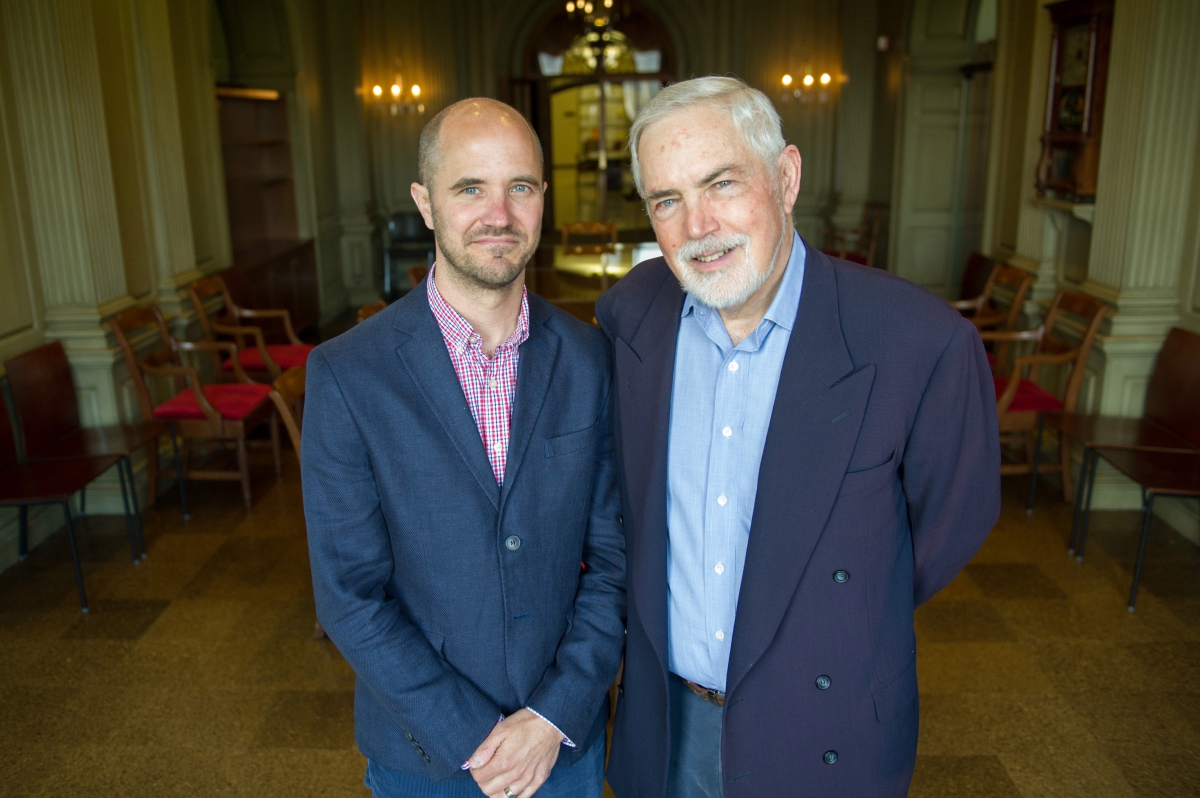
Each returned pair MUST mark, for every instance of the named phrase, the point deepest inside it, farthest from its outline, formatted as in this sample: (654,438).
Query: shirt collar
(458,332)
(786,303)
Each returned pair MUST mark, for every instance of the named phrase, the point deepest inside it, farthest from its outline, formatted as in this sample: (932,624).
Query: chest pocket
(869,478)
(571,442)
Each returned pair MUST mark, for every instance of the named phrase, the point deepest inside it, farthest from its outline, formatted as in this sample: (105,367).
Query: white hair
(753,115)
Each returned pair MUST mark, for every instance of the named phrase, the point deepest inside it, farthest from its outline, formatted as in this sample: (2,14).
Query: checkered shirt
(489,384)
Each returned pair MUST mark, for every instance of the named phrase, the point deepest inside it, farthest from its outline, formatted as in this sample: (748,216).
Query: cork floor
(196,673)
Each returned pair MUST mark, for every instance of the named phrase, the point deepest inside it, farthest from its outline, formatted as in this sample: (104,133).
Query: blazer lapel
(819,407)
(645,370)
(534,371)
(423,352)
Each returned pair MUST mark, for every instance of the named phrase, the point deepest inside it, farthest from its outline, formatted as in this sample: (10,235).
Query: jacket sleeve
(572,690)
(951,467)
(444,716)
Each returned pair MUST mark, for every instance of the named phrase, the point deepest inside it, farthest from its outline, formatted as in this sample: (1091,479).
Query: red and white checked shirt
(489,384)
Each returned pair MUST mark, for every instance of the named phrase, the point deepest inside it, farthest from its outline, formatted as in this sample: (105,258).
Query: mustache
(710,244)
(488,231)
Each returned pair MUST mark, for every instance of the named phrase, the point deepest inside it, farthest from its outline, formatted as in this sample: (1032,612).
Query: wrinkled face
(717,210)
(485,198)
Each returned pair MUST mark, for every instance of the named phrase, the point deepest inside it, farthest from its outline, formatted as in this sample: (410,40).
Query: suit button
(621,520)
(841,577)
(830,757)
(512,542)
(823,682)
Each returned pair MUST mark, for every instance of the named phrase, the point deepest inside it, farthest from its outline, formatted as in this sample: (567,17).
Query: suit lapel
(423,352)
(819,407)
(534,371)
(646,368)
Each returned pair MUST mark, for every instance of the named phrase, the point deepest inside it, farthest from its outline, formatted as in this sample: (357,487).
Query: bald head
(463,118)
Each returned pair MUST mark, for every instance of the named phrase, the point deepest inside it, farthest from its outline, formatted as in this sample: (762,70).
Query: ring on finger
(509,793)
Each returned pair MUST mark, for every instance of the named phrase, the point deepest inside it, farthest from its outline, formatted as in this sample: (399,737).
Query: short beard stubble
(495,275)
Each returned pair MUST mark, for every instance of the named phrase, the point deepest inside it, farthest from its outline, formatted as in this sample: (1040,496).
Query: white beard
(730,286)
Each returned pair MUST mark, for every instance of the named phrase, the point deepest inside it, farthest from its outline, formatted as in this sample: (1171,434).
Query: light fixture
(825,78)
(397,103)
(570,7)
(608,3)
(395,89)
(416,90)
(587,8)
(808,80)
(787,80)
(377,91)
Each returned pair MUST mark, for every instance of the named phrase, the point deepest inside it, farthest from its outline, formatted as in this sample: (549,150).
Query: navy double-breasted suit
(455,600)
(879,480)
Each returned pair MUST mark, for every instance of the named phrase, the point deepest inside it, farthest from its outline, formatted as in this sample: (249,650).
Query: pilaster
(855,111)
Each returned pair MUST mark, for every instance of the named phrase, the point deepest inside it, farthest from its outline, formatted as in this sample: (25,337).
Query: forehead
(486,145)
(678,149)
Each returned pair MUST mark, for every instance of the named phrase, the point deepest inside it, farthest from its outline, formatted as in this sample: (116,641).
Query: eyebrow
(708,178)
(467,182)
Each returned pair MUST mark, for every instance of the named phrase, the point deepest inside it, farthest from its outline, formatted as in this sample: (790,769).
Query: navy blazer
(879,480)
(456,601)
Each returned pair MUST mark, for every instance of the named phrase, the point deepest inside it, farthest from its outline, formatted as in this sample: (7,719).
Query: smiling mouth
(713,256)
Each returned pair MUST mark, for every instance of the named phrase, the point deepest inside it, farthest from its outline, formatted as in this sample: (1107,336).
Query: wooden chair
(367,311)
(986,314)
(45,399)
(288,389)
(975,275)
(224,412)
(600,238)
(858,244)
(415,275)
(1022,403)
(265,361)
(45,483)
(1170,423)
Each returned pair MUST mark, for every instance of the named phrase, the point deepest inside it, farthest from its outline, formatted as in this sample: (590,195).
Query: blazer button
(823,682)
(830,757)
(841,577)
(621,520)
(512,543)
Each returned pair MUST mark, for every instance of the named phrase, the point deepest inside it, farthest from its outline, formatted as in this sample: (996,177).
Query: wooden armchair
(856,244)
(265,361)
(415,275)
(594,235)
(985,314)
(224,412)
(367,311)
(1020,401)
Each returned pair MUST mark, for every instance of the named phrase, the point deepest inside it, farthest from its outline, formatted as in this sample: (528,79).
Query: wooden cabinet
(272,266)
(1075,99)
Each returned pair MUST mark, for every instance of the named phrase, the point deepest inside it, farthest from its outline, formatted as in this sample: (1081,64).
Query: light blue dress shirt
(721,402)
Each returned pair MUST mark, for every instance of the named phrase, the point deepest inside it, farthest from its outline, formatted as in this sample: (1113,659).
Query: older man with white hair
(809,451)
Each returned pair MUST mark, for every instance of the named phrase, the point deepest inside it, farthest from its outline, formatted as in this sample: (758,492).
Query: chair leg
(179,472)
(83,500)
(133,545)
(137,510)
(1137,569)
(1064,459)
(244,470)
(275,443)
(75,555)
(1087,507)
(23,533)
(1083,469)
(1037,457)
(152,472)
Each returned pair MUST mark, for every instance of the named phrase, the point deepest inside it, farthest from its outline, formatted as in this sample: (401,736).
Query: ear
(420,195)
(788,167)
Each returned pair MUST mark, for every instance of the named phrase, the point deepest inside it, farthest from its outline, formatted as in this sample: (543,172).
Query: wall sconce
(399,104)
(813,88)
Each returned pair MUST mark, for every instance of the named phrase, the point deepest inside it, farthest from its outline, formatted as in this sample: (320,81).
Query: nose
(497,213)
(701,221)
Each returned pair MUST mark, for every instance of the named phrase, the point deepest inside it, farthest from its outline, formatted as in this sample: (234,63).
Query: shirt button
(512,543)
(721,500)
(720,635)
(492,384)
(459,348)
(720,569)
(733,365)
(497,447)
(727,432)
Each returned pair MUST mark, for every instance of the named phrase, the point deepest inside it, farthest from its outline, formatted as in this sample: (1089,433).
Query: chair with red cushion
(986,314)
(258,358)
(1021,399)
(224,412)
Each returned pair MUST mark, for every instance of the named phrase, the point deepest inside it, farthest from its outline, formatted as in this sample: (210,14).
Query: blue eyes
(474,190)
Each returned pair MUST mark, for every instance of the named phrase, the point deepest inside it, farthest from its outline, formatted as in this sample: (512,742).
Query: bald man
(461,500)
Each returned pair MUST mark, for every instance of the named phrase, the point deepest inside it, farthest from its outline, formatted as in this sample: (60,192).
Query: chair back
(287,393)
(1090,311)
(43,392)
(123,326)
(367,311)
(416,274)
(204,289)
(1173,395)
(1018,282)
(594,235)
(408,227)
(977,276)
(8,441)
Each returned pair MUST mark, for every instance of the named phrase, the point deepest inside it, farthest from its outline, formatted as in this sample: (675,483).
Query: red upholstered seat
(991,358)
(286,355)
(1030,397)
(234,401)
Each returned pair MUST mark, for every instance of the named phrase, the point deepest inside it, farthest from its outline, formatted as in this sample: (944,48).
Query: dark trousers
(695,767)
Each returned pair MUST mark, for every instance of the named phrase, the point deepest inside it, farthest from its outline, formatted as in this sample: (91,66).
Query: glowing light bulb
(416,90)
(377,91)
(808,80)
(570,8)
(825,78)
(395,89)
(787,80)
(608,3)
(587,8)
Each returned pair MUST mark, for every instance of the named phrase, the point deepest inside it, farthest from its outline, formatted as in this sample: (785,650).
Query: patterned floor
(196,673)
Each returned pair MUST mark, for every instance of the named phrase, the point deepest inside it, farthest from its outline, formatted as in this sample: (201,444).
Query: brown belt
(711,696)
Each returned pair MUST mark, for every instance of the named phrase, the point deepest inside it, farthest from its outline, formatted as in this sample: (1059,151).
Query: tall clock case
(1075,99)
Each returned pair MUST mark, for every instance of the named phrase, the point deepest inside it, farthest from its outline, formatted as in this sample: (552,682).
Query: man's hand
(518,754)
